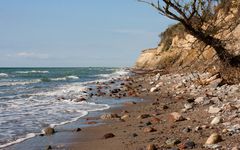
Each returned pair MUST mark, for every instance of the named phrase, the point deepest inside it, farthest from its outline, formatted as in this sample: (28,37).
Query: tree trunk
(224,56)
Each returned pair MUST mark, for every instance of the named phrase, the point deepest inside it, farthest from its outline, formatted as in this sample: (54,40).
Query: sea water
(29,98)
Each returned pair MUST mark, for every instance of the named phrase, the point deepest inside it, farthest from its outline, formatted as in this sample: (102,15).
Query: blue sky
(75,33)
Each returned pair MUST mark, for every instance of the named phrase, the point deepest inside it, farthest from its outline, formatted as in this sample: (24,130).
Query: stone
(48,131)
(143,116)
(148,129)
(199,100)
(151,147)
(216,120)
(172,142)
(49,147)
(155,120)
(214,110)
(215,83)
(154,89)
(186,130)
(78,130)
(109,116)
(213,139)
(124,117)
(188,106)
(108,135)
(236,148)
(175,116)
(189,145)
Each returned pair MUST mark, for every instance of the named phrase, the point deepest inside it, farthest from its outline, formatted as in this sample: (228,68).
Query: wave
(14,83)
(116,74)
(65,78)
(28,136)
(4,75)
(32,71)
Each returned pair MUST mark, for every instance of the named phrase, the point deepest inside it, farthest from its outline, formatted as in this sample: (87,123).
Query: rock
(109,116)
(49,147)
(48,131)
(214,110)
(176,117)
(186,130)
(213,139)
(199,100)
(188,106)
(78,130)
(151,147)
(189,145)
(165,107)
(215,83)
(108,135)
(124,117)
(143,116)
(216,120)
(148,129)
(172,142)
(134,135)
(157,77)
(213,146)
(154,89)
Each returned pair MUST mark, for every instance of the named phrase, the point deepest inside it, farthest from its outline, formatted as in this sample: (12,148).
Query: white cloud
(25,54)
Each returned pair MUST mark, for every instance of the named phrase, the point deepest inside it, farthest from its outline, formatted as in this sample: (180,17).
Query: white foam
(28,136)
(13,83)
(3,75)
(72,77)
(32,71)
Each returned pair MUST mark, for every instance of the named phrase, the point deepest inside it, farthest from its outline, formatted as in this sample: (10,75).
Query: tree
(201,19)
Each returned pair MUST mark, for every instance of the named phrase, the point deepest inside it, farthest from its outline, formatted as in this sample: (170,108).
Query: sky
(76,33)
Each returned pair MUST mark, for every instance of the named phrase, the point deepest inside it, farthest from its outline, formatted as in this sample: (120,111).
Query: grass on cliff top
(168,35)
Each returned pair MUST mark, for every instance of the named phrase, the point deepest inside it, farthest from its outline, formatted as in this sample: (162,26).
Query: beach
(170,115)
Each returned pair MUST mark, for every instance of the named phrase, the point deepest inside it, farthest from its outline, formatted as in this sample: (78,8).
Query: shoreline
(175,114)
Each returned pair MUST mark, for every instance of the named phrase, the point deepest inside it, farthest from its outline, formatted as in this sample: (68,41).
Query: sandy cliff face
(184,51)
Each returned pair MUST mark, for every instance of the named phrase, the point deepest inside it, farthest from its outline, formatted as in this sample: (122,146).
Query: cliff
(180,50)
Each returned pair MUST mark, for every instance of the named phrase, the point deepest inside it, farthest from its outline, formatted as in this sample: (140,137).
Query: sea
(34,98)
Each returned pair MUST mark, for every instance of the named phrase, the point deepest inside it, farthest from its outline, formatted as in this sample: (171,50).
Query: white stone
(199,100)
(214,110)
(216,120)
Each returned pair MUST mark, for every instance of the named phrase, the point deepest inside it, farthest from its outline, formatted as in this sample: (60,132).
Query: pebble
(216,120)
(143,116)
(124,117)
(172,142)
(186,130)
(214,110)
(213,139)
(109,116)
(175,116)
(189,144)
(148,129)
(108,135)
(151,147)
